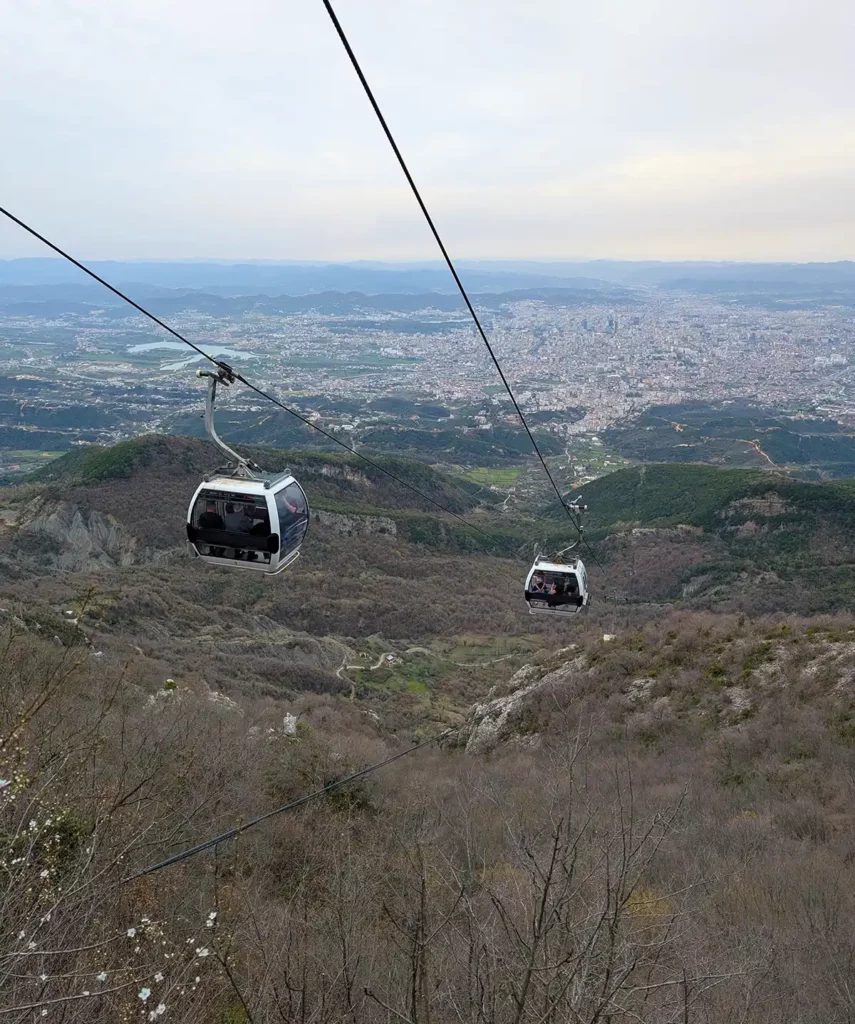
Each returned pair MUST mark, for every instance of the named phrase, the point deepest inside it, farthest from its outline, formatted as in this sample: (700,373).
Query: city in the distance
(736,364)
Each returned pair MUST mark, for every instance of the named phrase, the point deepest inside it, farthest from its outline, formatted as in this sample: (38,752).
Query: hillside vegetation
(643,814)
(703,496)
(663,834)
(736,434)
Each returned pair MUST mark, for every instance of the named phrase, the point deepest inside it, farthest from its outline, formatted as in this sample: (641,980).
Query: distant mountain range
(270,278)
(55,300)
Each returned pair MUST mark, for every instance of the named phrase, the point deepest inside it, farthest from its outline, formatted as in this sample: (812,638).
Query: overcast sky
(639,129)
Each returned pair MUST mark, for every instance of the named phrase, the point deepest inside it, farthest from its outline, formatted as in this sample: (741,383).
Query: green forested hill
(704,496)
(334,476)
(736,434)
(728,538)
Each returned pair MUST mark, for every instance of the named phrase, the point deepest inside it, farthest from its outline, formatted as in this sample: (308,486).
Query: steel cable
(233,373)
(434,231)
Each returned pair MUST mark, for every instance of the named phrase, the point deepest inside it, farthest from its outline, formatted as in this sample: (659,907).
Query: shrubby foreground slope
(663,837)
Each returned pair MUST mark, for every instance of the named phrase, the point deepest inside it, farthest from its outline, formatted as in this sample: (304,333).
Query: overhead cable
(232,833)
(434,231)
(233,373)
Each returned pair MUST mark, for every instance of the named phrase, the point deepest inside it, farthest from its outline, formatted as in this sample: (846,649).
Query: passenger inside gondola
(260,523)
(553,588)
(293,518)
(564,590)
(211,519)
(538,585)
(236,518)
(227,523)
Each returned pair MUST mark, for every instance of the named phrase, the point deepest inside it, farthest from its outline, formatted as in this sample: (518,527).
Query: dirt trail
(369,668)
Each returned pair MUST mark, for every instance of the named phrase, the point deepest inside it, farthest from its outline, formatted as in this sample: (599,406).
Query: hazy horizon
(676,131)
(408,264)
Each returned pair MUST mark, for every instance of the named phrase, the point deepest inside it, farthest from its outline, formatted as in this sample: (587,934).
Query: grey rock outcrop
(500,719)
(72,539)
(360,525)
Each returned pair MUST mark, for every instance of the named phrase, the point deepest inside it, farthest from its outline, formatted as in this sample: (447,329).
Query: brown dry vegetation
(645,851)
(662,834)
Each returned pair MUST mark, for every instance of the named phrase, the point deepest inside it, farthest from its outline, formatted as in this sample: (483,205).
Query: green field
(490,477)
(25,462)
(25,453)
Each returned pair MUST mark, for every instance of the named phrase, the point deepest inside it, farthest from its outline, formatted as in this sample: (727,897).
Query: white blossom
(101,977)
(42,977)
(131,932)
(202,951)
(44,874)
(158,1011)
(144,993)
(158,977)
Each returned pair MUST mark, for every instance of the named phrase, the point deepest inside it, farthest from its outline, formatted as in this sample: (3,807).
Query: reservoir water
(215,350)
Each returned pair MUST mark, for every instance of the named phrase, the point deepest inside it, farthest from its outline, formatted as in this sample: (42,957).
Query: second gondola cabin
(256,524)
(557,588)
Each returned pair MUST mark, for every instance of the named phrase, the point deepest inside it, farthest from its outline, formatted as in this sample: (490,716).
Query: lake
(215,350)
(218,351)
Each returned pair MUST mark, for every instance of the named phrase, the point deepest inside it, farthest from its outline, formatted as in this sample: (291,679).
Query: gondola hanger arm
(224,375)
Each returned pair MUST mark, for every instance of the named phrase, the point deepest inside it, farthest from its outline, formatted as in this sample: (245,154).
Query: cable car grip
(245,468)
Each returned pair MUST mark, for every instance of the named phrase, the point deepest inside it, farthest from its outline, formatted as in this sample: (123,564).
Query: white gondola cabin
(557,588)
(248,524)
(242,518)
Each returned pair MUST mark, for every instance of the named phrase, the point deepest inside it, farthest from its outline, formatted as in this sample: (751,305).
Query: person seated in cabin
(237,521)
(261,523)
(538,585)
(211,519)
(556,593)
(568,591)
(289,513)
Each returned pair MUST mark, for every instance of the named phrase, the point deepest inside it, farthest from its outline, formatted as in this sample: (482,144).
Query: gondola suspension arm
(223,375)
(574,509)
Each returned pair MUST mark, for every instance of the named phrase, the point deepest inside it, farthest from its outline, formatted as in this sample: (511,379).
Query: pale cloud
(661,129)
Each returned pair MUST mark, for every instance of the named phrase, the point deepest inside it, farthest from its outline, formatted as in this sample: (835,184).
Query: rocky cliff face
(62,536)
(712,686)
(504,717)
(360,525)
